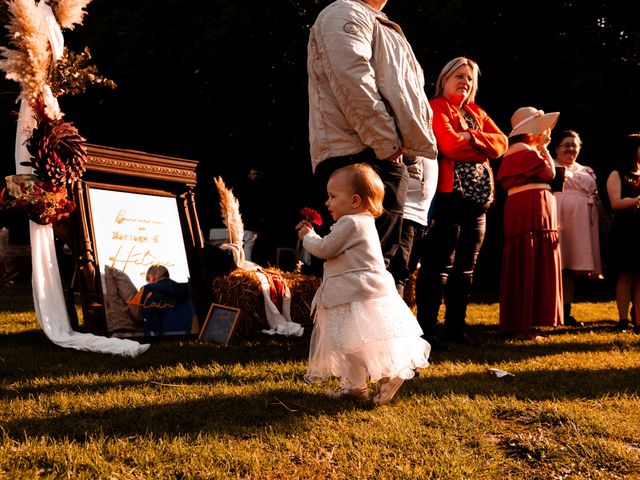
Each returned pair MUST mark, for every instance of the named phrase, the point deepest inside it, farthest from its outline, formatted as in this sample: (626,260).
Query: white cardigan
(354,270)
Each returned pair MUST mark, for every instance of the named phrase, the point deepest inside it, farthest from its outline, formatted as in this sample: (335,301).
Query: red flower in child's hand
(310,215)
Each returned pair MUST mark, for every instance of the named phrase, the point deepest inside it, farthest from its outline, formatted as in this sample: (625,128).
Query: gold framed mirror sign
(135,210)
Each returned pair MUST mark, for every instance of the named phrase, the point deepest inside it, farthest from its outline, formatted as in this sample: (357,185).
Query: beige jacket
(354,270)
(366,88)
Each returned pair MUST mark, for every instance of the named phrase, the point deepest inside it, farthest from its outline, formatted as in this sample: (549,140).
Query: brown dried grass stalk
(28,59)
(230,210)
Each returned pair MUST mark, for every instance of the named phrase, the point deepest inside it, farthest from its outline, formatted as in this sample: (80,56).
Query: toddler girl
(363,329)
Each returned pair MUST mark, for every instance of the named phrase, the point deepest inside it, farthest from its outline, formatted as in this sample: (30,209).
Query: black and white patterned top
(474,181)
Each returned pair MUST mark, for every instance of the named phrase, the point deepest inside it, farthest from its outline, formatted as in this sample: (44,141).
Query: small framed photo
(220,324)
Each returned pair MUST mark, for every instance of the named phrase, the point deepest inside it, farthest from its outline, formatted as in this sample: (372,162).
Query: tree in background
(225,82)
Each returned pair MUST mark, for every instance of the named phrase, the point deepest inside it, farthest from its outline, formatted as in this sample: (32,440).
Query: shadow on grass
(238,416)
(30,354)
(493,347)
(17,299)
(541,384)
(287,410)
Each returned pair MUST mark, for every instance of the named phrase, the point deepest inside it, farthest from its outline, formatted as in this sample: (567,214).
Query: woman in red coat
(467,138)
(531,280)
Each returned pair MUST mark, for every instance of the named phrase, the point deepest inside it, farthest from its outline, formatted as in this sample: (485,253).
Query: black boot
(428,290)
(621,326)
(456,299)
(570,321)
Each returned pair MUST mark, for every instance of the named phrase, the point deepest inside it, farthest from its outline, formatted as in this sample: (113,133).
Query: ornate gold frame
(139,172)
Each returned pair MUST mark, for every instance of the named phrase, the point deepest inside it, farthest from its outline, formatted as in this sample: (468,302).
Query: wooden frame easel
(138,172)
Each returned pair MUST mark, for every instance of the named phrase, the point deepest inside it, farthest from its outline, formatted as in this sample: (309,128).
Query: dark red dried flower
(58,152)
(41,201)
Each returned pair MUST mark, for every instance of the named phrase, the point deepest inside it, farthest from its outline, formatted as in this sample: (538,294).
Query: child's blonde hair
(366,183)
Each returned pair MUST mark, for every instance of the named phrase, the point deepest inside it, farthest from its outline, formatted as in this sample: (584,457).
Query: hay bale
(241,289)
(409,294)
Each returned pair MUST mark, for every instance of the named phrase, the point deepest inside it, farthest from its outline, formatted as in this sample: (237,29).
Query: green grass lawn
(186,409)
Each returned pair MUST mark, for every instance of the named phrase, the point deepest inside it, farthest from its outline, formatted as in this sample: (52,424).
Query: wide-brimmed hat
(531,120)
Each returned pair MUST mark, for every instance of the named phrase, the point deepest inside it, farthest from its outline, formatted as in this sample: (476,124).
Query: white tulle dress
(358,312)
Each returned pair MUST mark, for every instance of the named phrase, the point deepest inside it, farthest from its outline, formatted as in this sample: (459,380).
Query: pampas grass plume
(69,12)
(28,60)
(230,209)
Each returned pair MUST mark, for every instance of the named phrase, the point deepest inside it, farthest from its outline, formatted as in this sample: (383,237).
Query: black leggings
(449,254)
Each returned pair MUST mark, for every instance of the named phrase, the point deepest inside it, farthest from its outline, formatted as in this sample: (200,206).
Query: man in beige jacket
(367,103)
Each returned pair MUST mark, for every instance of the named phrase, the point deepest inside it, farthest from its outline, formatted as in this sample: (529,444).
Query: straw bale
(410,290)
(241,289)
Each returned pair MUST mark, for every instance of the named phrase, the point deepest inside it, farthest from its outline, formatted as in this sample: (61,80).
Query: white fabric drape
(48,296)
(280,323)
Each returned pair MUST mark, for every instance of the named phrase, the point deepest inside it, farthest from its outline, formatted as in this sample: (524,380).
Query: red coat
(486,142)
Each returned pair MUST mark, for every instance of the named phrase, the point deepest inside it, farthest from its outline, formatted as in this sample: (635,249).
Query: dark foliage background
(224,83)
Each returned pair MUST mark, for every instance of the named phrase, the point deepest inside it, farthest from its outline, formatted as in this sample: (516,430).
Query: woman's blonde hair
(451,67)
(367,183)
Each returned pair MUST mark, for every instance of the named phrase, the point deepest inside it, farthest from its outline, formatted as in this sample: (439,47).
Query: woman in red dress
(531,281)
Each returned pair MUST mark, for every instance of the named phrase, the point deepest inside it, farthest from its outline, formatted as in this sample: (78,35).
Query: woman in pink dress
(578,220)
(531,282)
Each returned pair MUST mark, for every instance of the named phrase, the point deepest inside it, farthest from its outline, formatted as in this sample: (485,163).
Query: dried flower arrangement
(28,61)
(69,13)
(41,201)
(58,152)
(73,73)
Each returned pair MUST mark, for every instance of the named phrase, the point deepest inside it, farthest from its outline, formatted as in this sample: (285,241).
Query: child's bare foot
(387,388)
